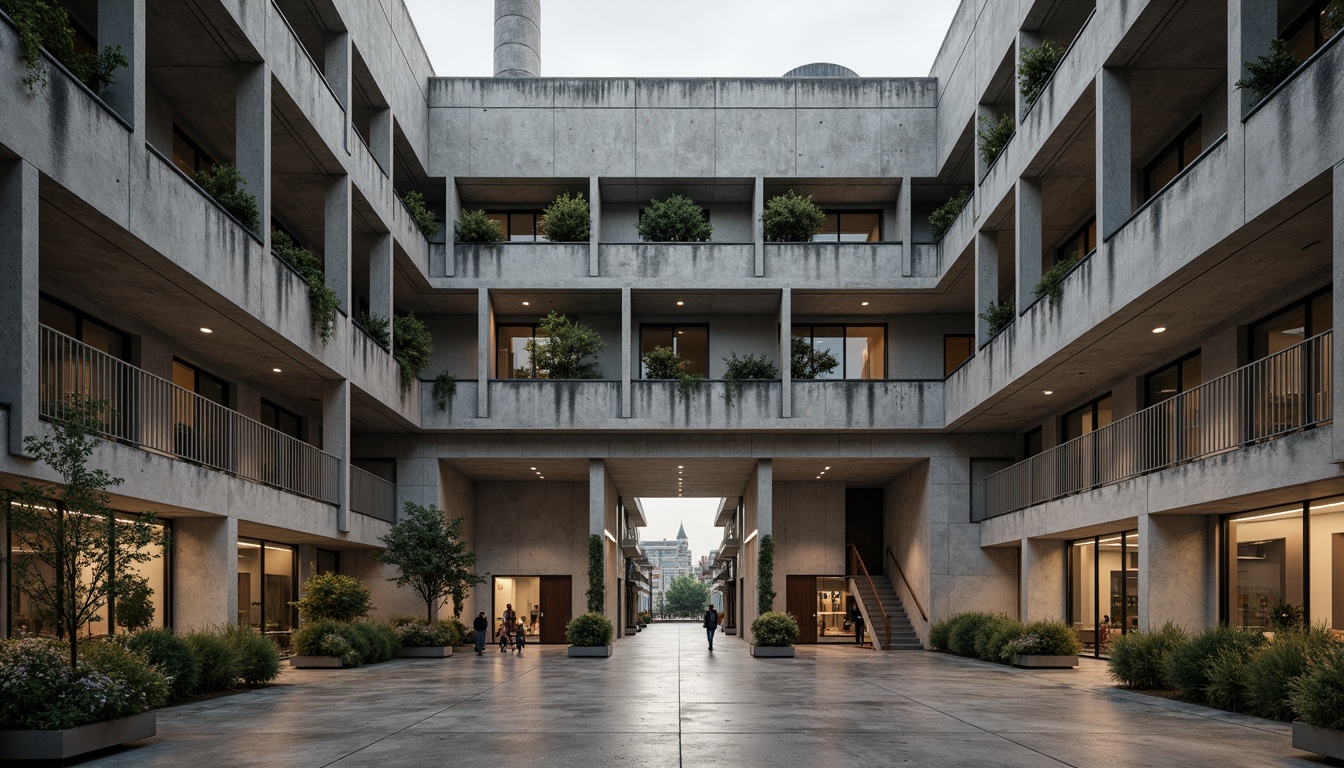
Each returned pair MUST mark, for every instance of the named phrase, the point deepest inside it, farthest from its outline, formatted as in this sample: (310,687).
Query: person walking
(711,624)
(509,619)
(481,625)
(856,618)
(519,637)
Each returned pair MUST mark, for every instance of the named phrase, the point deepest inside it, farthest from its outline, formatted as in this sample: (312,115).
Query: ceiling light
(1160,329)
(681,303)
(206,330)
(863,304)
(822,473)
(276,370)
(680,466)
(527,303)
(827,467)
(1048,392)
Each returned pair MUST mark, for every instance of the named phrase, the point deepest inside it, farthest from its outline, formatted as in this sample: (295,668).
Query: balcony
(372,496)
(630,543)
(1284,393)
(732,542)
(155,415)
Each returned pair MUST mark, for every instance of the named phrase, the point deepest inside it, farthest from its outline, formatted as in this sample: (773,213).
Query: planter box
(428,652)
(315,662)
(730,631)
(771,652)
(592,652)
(1034,661)
(631,631)
(1322,741)
(62,744)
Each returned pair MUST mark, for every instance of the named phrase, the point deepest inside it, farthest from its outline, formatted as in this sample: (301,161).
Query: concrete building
(1146,436)
(670,558)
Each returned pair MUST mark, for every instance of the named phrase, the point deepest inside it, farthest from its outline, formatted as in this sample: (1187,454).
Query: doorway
(524,594)
(800,598)
(556,608)
(863,526)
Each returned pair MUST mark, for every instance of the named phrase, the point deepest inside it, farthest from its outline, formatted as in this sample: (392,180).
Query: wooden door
(800,595)
(556,608)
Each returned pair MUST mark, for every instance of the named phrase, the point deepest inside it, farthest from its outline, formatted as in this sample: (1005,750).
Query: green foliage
(1226,688)
(994,134)
(307,640)
(333,596)
(1051,285)
(944,215)
(40,689)
(560,347)
(1266,72)
(686,596)
(993,635)
(1045,638)
(742,369)
(674,220)
(1334,18)
(445,387)
(476,227)
(774,630)
(663,363)
(430,556)
(940,634)
(218,664)
(171,654)
(1139,658)
(1035,69)
(378,327)
(135,608)
(1318,695)
(143,686)
(567,220)
(591,630)
(226,184)
(425,220)
(1286,617)
(336,644)
(322,299)
(356,643)
(45,24)
(791,218)
(809,362)
(597,583)
(258,658)
(418,633)
(965,628)
(1271,671)
(765,576)
(381,640)
(1188,664)
(999,314)
(412,346)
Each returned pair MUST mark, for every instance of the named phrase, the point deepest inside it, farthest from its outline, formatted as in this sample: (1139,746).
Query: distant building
(670,559)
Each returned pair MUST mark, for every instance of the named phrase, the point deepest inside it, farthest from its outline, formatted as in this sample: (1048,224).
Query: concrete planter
(771,652)
(428,652)
(1322,741)
(315,662)
(1036,661)
(730,631)
(631,631)
(69,742)
(589,652)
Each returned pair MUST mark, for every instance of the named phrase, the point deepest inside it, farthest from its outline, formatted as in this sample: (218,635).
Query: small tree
(765,575)
(135,608)
(1035,69)
(674,220)
(1266,72)
(567,219)
(663,363)
(559,350)
(994,134)
(791,218)
(686,596)
(333,596)
(76,553)
(597,582)
(809,362)
(428,549)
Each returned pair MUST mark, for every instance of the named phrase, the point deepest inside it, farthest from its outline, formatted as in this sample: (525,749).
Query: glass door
(835,607)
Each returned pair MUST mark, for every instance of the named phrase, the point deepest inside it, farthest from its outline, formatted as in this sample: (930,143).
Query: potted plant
(774,634)
(675,220)
(568,219)
(476,227)
(560,348)
(662,363)
(1318,698)
(328,598)
(791,218)
(422,639)
(589,636)
(1045,645)
(749,368)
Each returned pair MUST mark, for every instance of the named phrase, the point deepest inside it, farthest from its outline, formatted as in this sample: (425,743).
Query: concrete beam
(594,227)
(1112,150)
(627,350)
(1042,591)
(381,299)
(786,351)
(1028,234)
(336,441)
(485,342)
(252,147)
(336,251)
(986,282)
(18,299)
(122,23)
(1175,571)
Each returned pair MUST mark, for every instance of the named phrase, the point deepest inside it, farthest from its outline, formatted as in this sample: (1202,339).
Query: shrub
(418,633)
(1051,285)
(995,647)
(994,134)
(425,220)
(258,658)
(1266,72)
(445,386)
(1318,696)
(567,220)
(807,361)
(219,666)
(1271,671)
(946,214)
(321,297)
(774,629)
(1188,665)
(674,220)
(226,184)
(143,685)
(45,24)
(560,348)
(412,346)
(741,369)
(39,689)
(1286,617)
(597,585)
(476,227)
(663,363)
(336,644)
(1035,69)
(590,630)
(1045,638)
(1226,688)
(999,314)
(378,327)
(304,261)
(1139,658)
(171,654)
(791,218)
(940,633)
(333,596)
(380,640)
(462,630)
(961,641)
(135,609)
(307,640)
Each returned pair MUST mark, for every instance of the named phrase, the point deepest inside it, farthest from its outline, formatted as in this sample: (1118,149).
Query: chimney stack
(517,38)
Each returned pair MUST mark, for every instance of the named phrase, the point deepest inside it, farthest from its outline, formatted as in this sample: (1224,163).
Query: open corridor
(663,700)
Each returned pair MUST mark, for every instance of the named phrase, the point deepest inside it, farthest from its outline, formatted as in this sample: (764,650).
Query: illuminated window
(850,227)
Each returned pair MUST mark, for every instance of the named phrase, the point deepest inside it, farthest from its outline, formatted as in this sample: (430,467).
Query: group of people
(511,633)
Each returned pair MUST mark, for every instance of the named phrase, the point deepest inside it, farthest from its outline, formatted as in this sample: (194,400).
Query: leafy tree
(428,549)
(686,596)
(1266,72)
(791,218)
(663,363)
(808,361)
(333,596)
(675,220)
(567,219)
(76,553)
(560,347)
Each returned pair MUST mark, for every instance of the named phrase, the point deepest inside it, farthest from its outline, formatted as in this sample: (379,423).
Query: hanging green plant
(45,24)
(765,575)
(741,369)
(663,363)
(999,314)
(1051,285)
(994,134)
(322,299)
(377,326)
(1266,72)
(944,215)
(412,346)
(445,387)
(226,184)
(425,220)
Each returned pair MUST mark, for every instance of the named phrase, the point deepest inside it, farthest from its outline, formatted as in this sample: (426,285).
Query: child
(519,637)
(503,636)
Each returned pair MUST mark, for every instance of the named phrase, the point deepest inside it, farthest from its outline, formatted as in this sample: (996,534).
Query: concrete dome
(821,69)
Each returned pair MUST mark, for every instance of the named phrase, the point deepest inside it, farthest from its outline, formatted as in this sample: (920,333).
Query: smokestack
(517,38)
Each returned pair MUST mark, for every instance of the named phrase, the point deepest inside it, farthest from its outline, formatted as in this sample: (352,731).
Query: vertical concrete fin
(986,281)
(339,73)
(485,334)
(19,286)
(627,350)
(595,227)
(1112,151)
(452,211)
(336,249)
(380,139)
(905,225)
(122,23)
(252,146)
(336,441)
(1029,246)
(381,300)
(786,352)
(1042,591)
(757,226)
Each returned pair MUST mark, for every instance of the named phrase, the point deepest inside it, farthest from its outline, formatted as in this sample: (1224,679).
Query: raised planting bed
(71,742)
(315,662)
(772,651)
(589,652)
(1322,741)
(1037,661)
(426,652)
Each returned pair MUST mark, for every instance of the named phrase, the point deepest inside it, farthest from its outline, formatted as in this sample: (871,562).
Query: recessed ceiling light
(681,303)
(1048,392)
(206,330)
(533,468)
(276,370)
(527,303)
(1159,329)
(679,466)
(827,467)
(863,304)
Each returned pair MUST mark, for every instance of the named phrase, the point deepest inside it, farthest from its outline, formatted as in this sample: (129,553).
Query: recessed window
(267,573)
(957,349)
(1089,418)
(1082,242)
(1309,31)
(81,326)
(187,154)
(860,350)
(512,360)
(1291,325)
(518,226)
(1173,159)
(850,227)
(690,342)
(1171,380)
(281,420)
(1031,443)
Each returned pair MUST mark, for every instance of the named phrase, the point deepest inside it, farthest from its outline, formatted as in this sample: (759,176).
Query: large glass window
(187,154)
(1169,381)
(282,420)
(1309,31)
(957,349)
(1103,590)
(1089,418)
(1327,563)
(524,594)
(835,606)
(1173,159)
(850,227)
(512,360)
(861,350)
(691,342)
(1264,564)
(1291,325)
(1080,243)
(266,577)
(518,226)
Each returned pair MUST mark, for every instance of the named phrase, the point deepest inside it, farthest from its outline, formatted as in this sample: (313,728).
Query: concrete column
(1028,234)
(627,350)
(1042,578)
(905,225)
(1338,271)
(986,281)
(1112,148)
(452,210)
(982,112)
(485,342)
(381,300)
(1251,25)
(18,299)
(595,227)
(336,253)
(765,520)
(252,146)
(339,61)
(786,352)
(597,516)
(122,22)
(205,572)
(757,226)
(1175,571)
(380,139)
(336,441)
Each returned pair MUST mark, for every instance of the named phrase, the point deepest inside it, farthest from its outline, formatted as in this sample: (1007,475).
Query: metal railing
(857,568)
(906,582)
(157,415)
(372,495)
(1286,392)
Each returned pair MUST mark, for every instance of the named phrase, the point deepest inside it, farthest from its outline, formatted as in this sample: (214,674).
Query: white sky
(695,38)
(696,514)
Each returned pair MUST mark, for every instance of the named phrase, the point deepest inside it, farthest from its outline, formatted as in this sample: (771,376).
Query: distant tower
(517,38)
(681,532)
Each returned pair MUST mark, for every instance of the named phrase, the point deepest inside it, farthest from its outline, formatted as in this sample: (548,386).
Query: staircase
(903,636)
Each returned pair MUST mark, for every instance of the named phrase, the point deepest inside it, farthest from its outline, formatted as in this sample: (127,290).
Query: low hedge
(220,669)
(1188,666)
(171,654)
(1044,638)
(414,632)
(1139,657)
(39,690)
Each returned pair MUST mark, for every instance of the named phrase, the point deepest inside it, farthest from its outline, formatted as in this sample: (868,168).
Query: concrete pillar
(380,139)
(122,22)
(252,146)
(786,352)
(1028,234)
(1112,151)
(452,210)
(485,344)
(627,350)
(595,227)
(517,38)
(339,60)
(905,225)
(982,112)
(1251,25)
(1042,580)
(381,300)
(205,572)
(336,252)
(1175,571)
(757,226)
(18,299)
(986,281)
(1338,322)
(336,441)
(597,514)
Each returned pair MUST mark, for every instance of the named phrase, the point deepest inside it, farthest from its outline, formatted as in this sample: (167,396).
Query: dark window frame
(81,316)
(1064,436)
(839,213)
(1176,145)
(1039,434)
(672,327)
(1310,16)
(293,580)
(535,213)
(1070,585)
(949,371)
(195,146)
(844,352)
(280,409)
(1087,232)
(1180,376)
(1307,332)
(224,385)
(495,345)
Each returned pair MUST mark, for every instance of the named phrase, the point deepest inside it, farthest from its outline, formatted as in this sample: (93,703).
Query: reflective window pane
(249,583)
(1327,563)
(692,344)
(512,359)
(1278,332)
(860,227)
(865,352)
(650,338)
(830,338)
(279,587)
(1264,566)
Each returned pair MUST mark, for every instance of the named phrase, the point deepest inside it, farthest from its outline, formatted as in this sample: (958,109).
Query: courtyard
(663,700)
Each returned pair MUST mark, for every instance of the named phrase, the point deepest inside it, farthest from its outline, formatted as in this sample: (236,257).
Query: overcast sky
(695,38)
(696,514)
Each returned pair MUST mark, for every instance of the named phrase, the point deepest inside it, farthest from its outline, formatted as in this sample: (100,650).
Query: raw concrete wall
(809,523)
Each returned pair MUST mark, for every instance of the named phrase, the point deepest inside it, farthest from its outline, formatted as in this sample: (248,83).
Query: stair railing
(908,588)
(857,567)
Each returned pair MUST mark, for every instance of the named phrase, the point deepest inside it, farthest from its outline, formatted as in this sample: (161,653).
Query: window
(512,360)
(1309,31)
(266,577)
(328,561)
(1103,589)
(80,326)
(208,386)
(957,349)
(1170,381)
(1080,243)
(1291,325)
(1173,159)
(187,154)
(281,420)
(691,342)
(1031,443)
(1089,418)
(850,227)
(518,226)
(859,349)
(1290,554)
